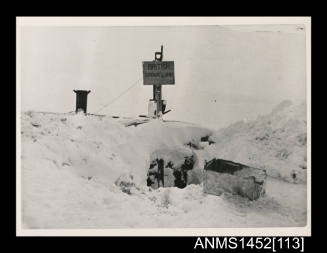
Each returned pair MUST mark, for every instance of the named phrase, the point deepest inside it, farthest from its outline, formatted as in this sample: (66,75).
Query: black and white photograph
(155,126)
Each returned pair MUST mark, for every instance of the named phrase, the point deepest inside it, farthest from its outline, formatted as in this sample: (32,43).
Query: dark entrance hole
(158,173)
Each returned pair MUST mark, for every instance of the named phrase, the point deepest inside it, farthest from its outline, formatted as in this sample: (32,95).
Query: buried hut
(223,175)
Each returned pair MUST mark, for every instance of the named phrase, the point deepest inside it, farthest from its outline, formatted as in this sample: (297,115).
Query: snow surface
(70,163)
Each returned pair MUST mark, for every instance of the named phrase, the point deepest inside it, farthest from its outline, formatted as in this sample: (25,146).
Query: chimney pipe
(81,100)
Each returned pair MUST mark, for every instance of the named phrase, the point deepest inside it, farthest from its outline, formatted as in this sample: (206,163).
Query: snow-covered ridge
(101,146)
(276,142)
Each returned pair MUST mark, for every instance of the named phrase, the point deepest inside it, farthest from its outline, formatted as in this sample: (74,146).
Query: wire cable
(121,94)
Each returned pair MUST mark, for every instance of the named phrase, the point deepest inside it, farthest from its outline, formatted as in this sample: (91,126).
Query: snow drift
(276,142)
(90,172)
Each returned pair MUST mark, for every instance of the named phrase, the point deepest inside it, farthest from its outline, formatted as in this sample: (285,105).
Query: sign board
(158,72)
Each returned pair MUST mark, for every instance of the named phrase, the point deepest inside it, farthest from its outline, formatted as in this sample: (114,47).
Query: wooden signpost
(158,73)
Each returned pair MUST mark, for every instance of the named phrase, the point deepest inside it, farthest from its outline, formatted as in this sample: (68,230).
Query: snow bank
(101,146)
(275,142)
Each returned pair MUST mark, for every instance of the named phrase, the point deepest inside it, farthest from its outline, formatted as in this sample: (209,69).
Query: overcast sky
(222,74)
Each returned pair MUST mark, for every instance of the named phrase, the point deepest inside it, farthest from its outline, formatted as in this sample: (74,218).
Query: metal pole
(158,99)
(157,88)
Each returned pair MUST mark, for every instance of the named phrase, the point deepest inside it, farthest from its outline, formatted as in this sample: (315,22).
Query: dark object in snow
(35,124)
(192,145)
(158,174)
(293,174)
(152,174)
(126,183)
(223,166)
(165,112)
(223,175)
(180,178)
(188,163)
(206,139)
(195,144)
(81,100)
(135,123)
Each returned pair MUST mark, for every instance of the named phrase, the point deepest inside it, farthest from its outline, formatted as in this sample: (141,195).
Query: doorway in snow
(170,168)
